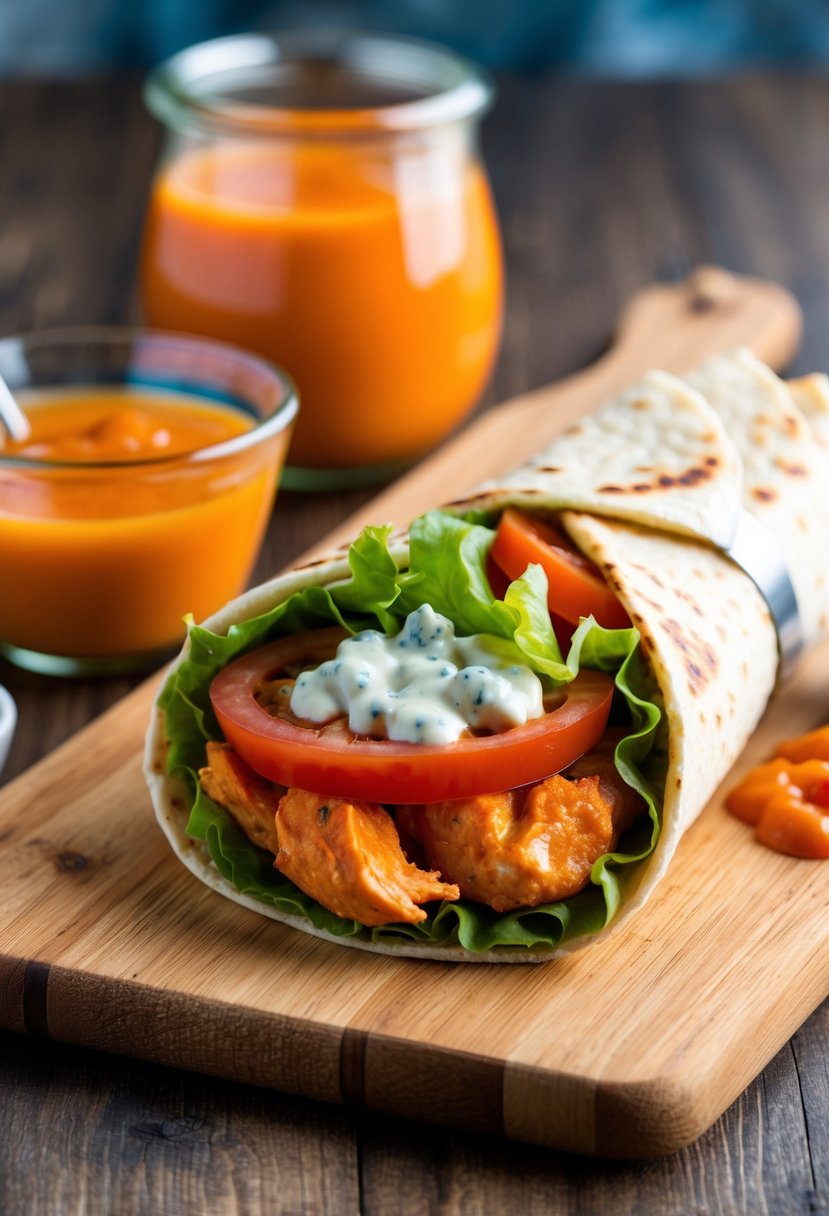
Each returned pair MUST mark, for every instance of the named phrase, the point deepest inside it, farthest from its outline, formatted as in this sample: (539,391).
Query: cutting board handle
(672,326)
(676,325)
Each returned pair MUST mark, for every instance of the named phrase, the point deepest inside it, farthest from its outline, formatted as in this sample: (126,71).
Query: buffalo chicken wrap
(483,740)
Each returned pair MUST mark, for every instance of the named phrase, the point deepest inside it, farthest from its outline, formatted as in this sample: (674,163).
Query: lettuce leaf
(447,569)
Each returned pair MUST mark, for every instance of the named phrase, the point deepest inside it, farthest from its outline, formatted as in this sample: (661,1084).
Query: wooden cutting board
(629,1048)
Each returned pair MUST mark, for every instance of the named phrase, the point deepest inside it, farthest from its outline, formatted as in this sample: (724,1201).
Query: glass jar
(321,201)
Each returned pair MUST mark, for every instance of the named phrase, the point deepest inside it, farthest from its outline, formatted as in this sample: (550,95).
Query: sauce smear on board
(786,799)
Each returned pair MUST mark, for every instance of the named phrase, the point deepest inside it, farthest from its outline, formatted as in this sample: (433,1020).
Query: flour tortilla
(679,473)
(811,396)
(656,455)
(785,468)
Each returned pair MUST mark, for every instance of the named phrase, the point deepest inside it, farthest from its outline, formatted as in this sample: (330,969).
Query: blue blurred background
(628,38)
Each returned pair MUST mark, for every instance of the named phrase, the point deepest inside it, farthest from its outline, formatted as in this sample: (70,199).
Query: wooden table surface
(601,188)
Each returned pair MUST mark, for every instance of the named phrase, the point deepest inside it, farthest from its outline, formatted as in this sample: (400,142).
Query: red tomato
(332,760)
(576,587)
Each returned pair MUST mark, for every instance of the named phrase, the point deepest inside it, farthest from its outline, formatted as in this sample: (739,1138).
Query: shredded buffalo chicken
(516,849)
(520,848)
(251,800)
(347,856)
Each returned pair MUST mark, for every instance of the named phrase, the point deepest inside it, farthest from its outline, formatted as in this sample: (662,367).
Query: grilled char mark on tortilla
(694,608)
(657,455)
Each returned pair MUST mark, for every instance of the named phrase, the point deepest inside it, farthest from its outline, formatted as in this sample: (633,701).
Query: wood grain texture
(117,940)
(601,188)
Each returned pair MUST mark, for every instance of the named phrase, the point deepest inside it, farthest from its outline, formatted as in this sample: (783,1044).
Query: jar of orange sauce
(321,201)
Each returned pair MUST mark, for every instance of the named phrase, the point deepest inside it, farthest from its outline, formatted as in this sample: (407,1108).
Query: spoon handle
(12,416)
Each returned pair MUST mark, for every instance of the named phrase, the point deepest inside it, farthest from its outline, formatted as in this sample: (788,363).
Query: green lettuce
(447,569)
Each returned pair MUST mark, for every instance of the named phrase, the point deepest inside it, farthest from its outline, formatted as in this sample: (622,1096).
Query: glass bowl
(8,721)
(142,495)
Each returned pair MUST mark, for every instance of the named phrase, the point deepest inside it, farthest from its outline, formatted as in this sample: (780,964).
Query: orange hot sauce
(378,289)
(787,798)
(102,556)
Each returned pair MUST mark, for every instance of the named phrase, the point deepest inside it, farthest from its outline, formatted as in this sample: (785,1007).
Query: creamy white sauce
(423,685)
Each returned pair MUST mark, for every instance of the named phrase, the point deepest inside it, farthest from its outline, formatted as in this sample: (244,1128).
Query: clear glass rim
(454,89)
(128,336)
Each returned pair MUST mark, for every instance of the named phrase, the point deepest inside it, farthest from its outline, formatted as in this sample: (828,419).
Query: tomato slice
(332,760)
(576,587)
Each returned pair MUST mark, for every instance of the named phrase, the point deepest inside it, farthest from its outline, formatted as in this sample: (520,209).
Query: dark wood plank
(86,1133)
(810,1051)
(601,188)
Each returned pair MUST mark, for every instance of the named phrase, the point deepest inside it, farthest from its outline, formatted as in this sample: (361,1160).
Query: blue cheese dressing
(423,685)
